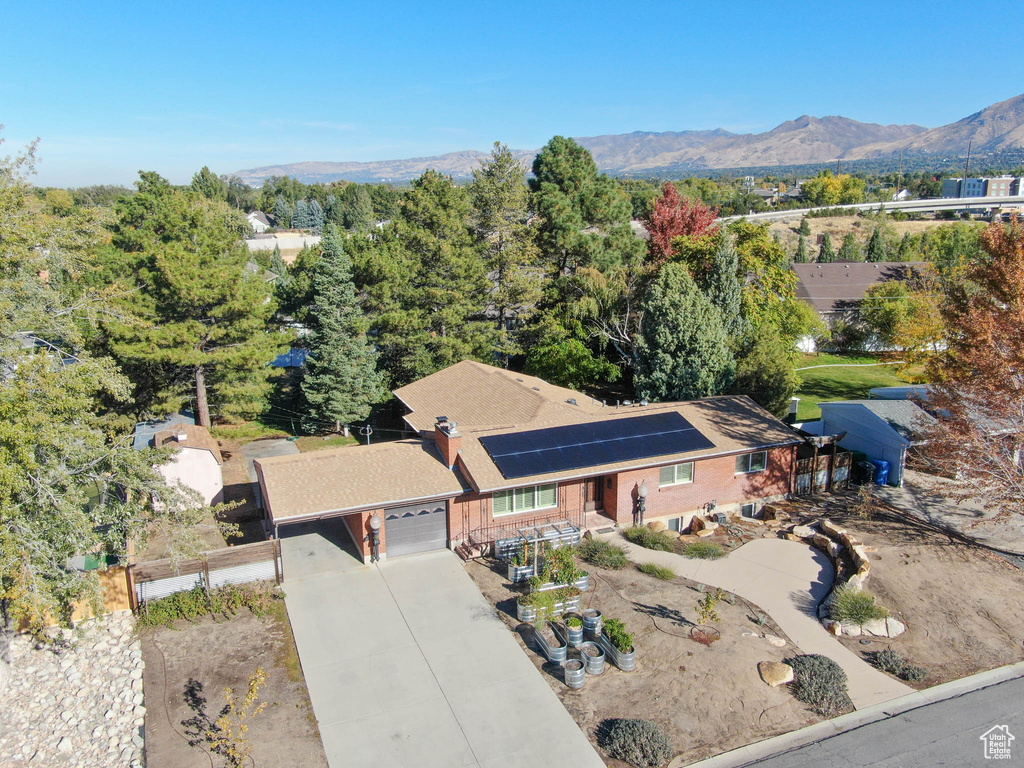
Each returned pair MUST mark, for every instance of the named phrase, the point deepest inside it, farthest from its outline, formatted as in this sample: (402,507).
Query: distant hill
(998,129)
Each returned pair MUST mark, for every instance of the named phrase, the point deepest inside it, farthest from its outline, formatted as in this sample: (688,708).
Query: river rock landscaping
(77,702)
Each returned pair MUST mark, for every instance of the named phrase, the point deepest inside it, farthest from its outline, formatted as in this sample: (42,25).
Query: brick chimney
(448,439)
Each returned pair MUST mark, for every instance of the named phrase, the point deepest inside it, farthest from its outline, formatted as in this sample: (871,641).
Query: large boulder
(775,673)
(803,531)
(657,525)
(699,524)
(775,640)
(703,534)
(884,627)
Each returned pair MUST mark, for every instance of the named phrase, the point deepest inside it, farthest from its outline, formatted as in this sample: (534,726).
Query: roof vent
(644,402)
(537,389)
(442,419)
(181,437)
(627,403)
(572,401)
(518,379)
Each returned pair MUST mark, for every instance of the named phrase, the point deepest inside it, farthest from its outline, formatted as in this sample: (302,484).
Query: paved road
(787,580)
(976,204)
(408,666)
(947,733)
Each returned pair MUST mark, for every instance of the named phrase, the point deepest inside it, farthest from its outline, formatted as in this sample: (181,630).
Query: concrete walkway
(787,580)
(407,665)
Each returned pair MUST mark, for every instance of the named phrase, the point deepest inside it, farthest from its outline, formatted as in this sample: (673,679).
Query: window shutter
(502,503)
(547,496)
(667,476)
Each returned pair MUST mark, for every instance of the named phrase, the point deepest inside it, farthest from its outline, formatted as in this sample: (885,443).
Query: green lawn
(316,443)
(818,385)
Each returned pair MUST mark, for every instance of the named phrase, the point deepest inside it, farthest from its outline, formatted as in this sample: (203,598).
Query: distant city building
(999,186)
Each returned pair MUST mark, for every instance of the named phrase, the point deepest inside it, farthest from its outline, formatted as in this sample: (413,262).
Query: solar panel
(577,446)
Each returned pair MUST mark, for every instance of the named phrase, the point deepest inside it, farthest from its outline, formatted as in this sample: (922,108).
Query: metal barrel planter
(527,613)
(574,634)
(553,653)
(518,573)
(624,661)
(593,622)
(575,673)
(593,657)
(572,604)
(583,582)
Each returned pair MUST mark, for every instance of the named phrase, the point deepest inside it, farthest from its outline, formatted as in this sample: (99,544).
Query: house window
(748,510)
(527,499)
(752,462)
(676,474)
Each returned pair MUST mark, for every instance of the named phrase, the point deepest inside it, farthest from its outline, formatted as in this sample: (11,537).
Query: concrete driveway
(407,665)
(787,580)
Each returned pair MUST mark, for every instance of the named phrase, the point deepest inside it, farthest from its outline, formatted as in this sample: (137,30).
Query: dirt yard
(710,699)
(198,661)
(838,226)
(960,601)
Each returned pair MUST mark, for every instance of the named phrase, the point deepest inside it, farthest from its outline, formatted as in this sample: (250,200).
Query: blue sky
(112,88)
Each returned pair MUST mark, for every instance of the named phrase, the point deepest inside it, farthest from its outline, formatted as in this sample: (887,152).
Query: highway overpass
(931,205)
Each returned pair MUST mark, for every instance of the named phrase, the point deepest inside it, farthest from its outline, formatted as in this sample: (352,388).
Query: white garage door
(415,529)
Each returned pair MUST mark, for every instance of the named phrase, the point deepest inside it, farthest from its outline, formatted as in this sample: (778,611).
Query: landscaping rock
(657,525)
(803,531)
(699,524)
(775,640)
(775,673)
(830,529)
(884,628)
(705,533)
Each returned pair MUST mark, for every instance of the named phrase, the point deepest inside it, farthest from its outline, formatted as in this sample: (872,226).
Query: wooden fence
(233,565)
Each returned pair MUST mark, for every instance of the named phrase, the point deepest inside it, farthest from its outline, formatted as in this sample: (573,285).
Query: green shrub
(657,571)
(892,662)
(637,742)
(603,554)
(574,622)
(550,596)
(820,683)
(855,607)
(560,566)
(618,635)
(227,601)
(702,550)
(645,537)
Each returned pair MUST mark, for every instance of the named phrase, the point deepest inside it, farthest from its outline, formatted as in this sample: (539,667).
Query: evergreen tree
(800,257)
(850,250)
(279,268)
(826,254)
(427,287)
(301,218)
(341,381)
(500,210)
(204,317)
(906,249)
(876,246)
(283,213)
(805,227)
(316,217)
(357,209)
(764,372)
(720,283)
(209,185)
(683,350)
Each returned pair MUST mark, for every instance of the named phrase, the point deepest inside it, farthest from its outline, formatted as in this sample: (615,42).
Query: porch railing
(507,529)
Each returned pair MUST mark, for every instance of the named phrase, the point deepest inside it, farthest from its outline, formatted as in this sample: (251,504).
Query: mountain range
(804,141)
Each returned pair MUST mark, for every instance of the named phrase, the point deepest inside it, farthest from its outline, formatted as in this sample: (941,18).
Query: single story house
(883,430)
(197,462)
(498,451)
(258,221)
(836,289)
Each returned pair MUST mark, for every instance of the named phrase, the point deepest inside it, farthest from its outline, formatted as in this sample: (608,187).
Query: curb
(777,745)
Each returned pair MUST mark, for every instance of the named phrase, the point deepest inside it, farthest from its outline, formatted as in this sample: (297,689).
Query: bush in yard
(702,550)
(618,635)
(892,662)
(657,571)
(637,742)
(820,683)
(645,537)
(603,554)
(855,607)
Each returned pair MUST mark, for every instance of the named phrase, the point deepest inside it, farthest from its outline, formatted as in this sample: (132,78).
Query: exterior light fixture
(641,503)
(374,537)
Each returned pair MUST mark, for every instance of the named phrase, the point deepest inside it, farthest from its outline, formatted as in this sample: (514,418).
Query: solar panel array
(577,446)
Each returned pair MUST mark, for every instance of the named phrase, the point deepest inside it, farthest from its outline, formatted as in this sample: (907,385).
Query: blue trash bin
(881,471)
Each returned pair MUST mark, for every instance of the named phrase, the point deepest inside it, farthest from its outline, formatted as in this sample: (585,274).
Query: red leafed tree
(674,216)
(978,380)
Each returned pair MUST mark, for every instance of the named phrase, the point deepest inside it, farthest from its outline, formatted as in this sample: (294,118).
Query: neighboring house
(498,451)
(903,194)
(836,289)
(906,392)
(258,221)
(883,430)
(197,463)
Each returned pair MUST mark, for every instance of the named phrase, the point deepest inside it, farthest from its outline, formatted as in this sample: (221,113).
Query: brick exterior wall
(473,510)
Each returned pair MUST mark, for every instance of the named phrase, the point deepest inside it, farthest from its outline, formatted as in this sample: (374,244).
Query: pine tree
(906,247)
(850,250)
(876,246)
(800,257)
(357,208)
(683,351)
(805,227)
(500,210)
(316,216)
(209,185)
(826,254)
(720,283)
(282,212)
(279,268)
(300,217)
(764,373)
(341,381)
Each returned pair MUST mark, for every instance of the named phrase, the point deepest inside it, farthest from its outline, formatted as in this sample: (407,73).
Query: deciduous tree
(674,216)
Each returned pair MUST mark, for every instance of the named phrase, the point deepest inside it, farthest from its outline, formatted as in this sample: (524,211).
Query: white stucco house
(258,221)
(197,460)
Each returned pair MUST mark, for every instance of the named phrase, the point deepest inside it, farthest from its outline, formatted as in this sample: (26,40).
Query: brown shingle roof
(349,478)
(195,437)
(841,285)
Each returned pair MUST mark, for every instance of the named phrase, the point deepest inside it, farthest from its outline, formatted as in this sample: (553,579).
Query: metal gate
(415,529)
